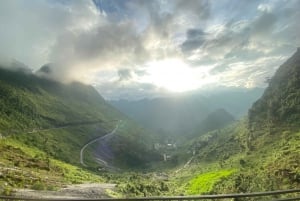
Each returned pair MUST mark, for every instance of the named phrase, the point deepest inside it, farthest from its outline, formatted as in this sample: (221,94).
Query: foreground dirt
(69,192)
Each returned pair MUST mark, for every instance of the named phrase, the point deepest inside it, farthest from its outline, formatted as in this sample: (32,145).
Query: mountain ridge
(182,114)
(261,150)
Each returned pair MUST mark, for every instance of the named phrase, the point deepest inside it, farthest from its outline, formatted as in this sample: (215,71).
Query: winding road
(105,137)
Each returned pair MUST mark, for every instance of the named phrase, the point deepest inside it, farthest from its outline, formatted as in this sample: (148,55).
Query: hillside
(258,153)
(279,105)
(59,119)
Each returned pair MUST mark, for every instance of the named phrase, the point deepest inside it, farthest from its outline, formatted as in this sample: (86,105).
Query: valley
(56,137)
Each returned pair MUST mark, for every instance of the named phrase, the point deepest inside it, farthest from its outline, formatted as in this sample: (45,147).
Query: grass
(28,167)
(205,182)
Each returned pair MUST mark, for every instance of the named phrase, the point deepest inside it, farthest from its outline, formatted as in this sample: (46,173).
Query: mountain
(167,115)
(258,153)
(279,105)
(44,124)
(59,119)
(180,115)
(215,120)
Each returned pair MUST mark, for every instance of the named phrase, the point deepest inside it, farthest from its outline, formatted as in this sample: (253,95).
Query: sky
(133,49)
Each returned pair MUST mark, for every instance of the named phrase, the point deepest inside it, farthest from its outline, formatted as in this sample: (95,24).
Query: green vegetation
(205,182)
(60,118)
(44,124)
(279,105)
(137,184)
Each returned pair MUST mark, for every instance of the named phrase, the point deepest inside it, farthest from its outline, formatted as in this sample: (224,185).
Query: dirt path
(70,192)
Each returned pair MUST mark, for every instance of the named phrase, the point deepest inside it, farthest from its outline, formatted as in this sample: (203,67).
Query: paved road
(105,137)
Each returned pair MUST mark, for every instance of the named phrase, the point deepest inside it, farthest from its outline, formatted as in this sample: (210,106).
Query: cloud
(101,47)
(246,39)
(198,8)
(263,25)
(130,90)
(29,29)
(195,39)
(124,74)
(250,73)
(114,41)
(79,35)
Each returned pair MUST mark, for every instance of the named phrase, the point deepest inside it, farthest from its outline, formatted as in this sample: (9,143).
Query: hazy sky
(136,48)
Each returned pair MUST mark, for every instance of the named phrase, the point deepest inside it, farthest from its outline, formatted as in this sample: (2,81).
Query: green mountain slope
(279,105)
(60,118)
(28,167)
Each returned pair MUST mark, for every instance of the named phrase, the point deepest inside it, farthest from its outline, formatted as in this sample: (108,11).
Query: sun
(172,74)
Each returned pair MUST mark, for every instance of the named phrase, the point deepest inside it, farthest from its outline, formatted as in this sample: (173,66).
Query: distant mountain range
(181,115)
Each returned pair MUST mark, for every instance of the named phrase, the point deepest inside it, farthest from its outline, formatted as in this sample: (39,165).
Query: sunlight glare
(173,75)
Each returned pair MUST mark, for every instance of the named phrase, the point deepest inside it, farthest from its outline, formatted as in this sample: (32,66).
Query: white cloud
(238,45)
(30,28)
(265,7)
